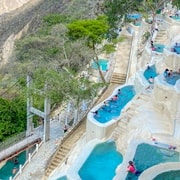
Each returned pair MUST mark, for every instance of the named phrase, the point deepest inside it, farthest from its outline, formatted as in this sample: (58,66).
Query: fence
(11,141)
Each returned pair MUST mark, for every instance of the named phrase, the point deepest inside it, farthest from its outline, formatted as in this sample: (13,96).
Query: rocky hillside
(32,13)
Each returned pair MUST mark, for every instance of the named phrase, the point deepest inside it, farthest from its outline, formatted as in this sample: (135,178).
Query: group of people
(167,73)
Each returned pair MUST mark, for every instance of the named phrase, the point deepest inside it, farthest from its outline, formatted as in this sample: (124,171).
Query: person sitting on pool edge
(131,168)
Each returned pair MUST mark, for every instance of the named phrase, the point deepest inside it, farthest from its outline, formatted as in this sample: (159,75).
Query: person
(14,170)
(151,80)
(119,91)
(115,98)
(166,73)
(152,44)
(65,128)
(131,168)
(15,160)
(170,73)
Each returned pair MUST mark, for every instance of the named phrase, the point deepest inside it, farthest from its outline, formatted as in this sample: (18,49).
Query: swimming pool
(101,163)
(159,48)
(6,170)
(176,18)
(170,175)
(134,16)
(147,155)
(103,64)
(150,71)
(113,109)
(172,79)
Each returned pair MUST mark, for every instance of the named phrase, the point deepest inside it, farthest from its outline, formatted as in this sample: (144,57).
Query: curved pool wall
(166,98)
(131,153)
(156,170)
(73,171)
(95,129)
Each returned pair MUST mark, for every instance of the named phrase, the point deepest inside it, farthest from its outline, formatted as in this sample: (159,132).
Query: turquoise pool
(113,109)
(101,163)
(103,64)
(134,16)
(150,71)
(62,178)
(148,155)
(170,175)
(159,48)
(173,78)
(6,170)
(176,18)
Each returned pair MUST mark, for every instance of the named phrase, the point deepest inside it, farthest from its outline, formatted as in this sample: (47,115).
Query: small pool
(101,163)
(159,48)
(173,78)
(170,175)
(103,64)
(113,110)
(176,18)
(134,16)
(62,178)
(150,71)
(148,155)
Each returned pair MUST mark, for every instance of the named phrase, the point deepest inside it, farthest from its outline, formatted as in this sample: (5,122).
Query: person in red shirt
(131,168)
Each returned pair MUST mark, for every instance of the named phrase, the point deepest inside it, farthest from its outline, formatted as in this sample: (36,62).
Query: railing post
(20,169)
(37,147)
(29,157)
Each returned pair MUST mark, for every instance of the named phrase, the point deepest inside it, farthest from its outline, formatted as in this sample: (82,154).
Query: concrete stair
(118,78)
(64,148)
(161,37)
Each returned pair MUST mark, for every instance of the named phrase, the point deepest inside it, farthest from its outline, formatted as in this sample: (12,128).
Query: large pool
(150,71)
(148,155)
(113,109)
(101,163)
(103,64)
(170,175)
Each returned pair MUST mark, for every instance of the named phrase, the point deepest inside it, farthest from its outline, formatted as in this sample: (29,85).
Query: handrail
(130,58)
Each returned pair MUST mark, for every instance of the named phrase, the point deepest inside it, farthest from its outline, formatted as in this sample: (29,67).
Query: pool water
(134,16)
(6,170)
(172,79)
(62,178)
(176,18)
(101,163)
(170,175)
(113,109)
(159,48)
(103,64)
(148,155)
(150,71)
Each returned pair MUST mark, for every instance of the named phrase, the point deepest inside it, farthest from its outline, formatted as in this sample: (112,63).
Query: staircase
(161,37)
(64,148)
(118,78)
(122,61)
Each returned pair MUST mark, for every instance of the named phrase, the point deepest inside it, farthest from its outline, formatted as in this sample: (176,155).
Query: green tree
(12,117)
(93,30)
